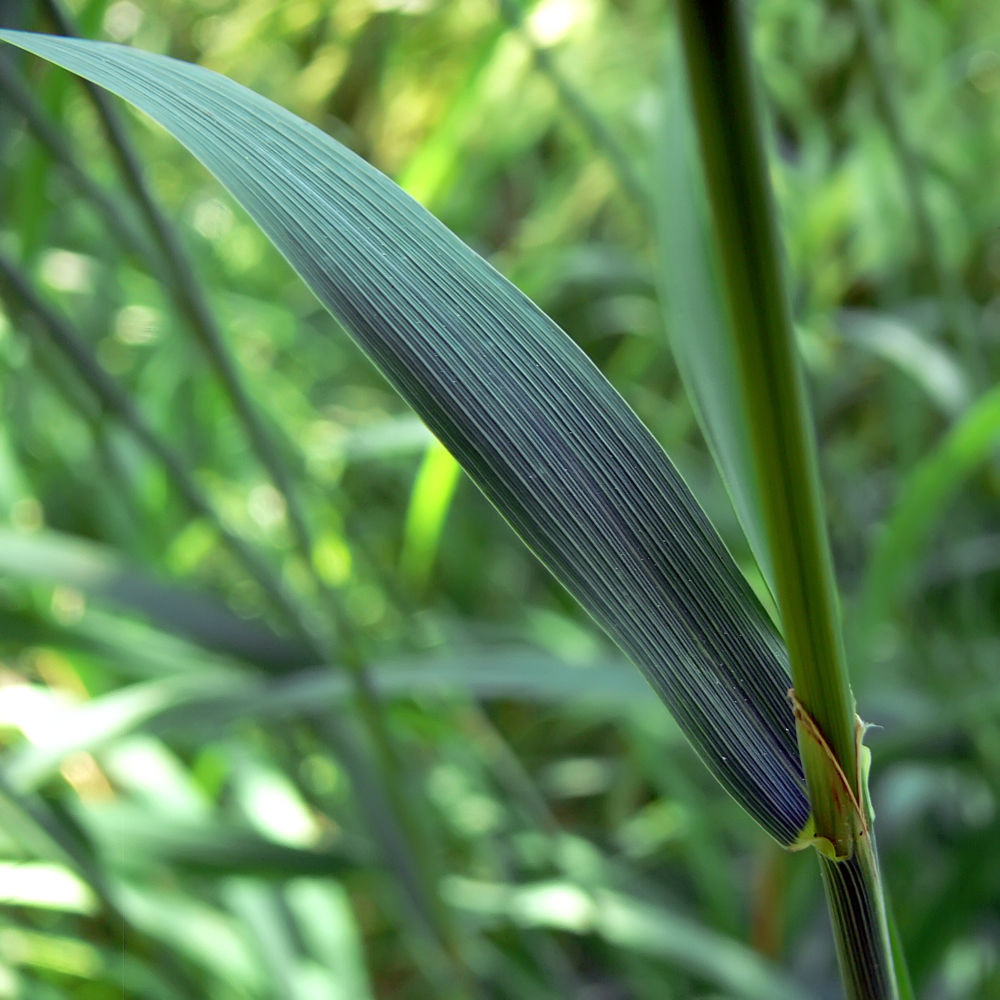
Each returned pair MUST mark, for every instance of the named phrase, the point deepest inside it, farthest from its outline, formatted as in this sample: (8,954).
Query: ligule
(839,817)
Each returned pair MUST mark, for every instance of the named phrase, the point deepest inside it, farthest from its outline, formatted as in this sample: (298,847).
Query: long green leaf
(534,423)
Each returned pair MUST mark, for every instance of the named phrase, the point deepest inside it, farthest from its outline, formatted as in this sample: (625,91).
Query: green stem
(857,912)
(717,56)
(780,431)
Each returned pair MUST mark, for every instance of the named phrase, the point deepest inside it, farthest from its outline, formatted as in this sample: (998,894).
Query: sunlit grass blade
(36,829)
(205,936)
(46,886)
(433,490)
(133,840)
(307,626)
(631,924)
(267,926)
(523,410)
(96,722)
(325,920)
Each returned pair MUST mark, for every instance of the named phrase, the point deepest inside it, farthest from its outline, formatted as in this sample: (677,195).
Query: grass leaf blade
(531,419)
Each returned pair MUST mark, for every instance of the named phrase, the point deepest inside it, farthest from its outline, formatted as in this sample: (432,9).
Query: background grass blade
(931,366)
(521,408)
(193,304)
(21,99)
(697,324)
(603,139)
(117,401)
(923,497)
(59,559)
(631,924)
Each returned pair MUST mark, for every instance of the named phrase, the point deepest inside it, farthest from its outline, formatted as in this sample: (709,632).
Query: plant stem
(858,914)
(717,56)
(739,193)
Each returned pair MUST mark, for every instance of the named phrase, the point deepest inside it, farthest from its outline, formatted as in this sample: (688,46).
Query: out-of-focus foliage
(190,805)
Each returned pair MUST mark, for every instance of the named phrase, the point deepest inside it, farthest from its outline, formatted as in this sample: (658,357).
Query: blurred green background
(192,807)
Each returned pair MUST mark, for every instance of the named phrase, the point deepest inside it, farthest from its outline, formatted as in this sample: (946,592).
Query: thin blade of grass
(430,499)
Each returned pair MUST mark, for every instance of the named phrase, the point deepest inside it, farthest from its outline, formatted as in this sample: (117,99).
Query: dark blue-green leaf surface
(534,423)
